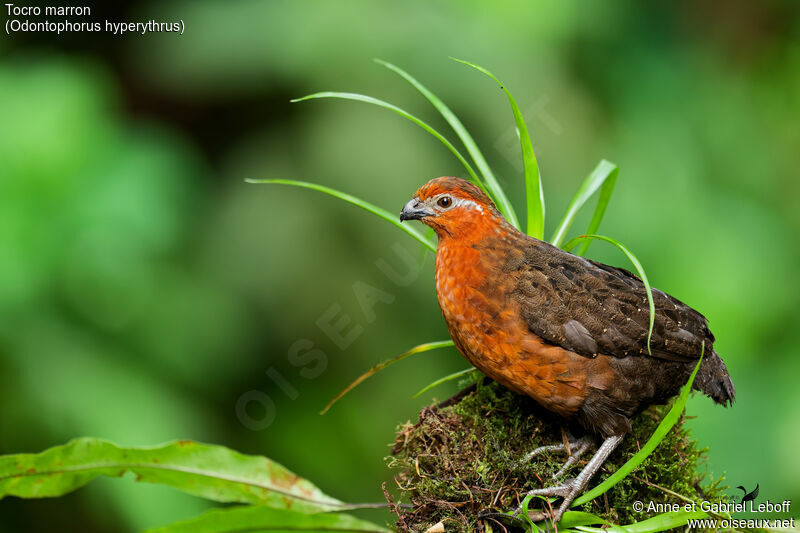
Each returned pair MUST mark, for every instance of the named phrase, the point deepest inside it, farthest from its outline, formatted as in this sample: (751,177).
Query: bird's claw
(562,491)
(576,449)
(567,491)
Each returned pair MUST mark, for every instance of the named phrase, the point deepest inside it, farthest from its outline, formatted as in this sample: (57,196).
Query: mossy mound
(467,458)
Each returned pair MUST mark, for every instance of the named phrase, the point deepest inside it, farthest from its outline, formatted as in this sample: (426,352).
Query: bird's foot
(567,491)
(576,449)
(571,488)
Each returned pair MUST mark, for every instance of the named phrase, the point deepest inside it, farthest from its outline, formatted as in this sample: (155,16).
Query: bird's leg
(583,444)
(571,488)
(576,449)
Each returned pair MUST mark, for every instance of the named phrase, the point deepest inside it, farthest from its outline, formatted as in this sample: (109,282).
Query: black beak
(414,210)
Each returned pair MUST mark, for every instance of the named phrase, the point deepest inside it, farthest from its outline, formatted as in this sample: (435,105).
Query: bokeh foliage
(145,287)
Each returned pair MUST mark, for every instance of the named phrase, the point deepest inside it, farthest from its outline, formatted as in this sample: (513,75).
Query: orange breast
(488,329)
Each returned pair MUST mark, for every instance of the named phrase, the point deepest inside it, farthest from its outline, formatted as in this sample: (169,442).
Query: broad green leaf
(494,188)
(661,522)
(401,112)
(604,175)
(534,195)
(375,210)
(447,378)
(212,472)
(380,366)
(259,518)
(661,431)
(569,245)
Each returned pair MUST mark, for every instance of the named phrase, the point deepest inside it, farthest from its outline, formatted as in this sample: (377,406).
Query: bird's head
(453,207)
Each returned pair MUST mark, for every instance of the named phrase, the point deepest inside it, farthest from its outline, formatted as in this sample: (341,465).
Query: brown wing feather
(592,308)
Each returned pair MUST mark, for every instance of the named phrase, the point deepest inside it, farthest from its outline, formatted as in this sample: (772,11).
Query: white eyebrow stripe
(463,202)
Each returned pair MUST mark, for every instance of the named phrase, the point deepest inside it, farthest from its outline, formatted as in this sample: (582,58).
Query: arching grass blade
(603,177)
(569,245)
(494,189)
(602,203)
(450,377)
(422,124)
(380,366)
(533,183)
(375,210)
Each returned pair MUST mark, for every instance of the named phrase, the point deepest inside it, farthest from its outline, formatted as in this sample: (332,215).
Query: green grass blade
(380,366)
(212,472)
(403,113)
(526,514)
(573,519)
(454,375)
(430,234)
(604,175)
(661,431)
(600,210)
(569,245)
(259,518)
(494,189)
(570,520)
(375,210)
(533,183)
(661,522)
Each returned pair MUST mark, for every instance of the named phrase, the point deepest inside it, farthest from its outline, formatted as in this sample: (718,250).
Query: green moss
(469,458)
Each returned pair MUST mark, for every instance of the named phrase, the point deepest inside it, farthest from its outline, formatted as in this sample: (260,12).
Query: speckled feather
(569,332)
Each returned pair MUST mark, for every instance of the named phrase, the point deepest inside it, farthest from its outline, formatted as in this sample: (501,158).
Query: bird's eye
(445,201)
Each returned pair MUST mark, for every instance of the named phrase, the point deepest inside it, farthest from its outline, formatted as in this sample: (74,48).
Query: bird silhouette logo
(748,496)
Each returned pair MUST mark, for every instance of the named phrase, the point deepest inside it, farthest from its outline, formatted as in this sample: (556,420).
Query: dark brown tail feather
(714,381)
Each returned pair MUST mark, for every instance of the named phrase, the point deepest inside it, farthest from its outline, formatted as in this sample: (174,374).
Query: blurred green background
(147,293)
